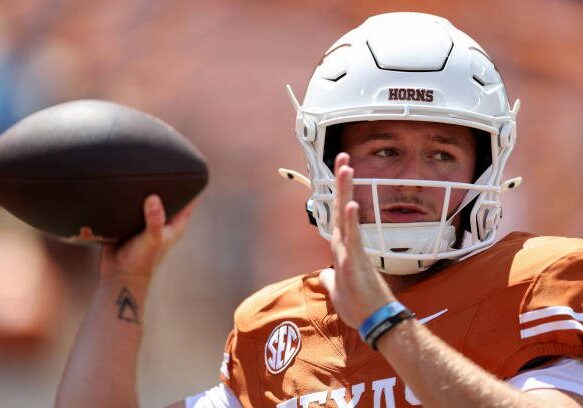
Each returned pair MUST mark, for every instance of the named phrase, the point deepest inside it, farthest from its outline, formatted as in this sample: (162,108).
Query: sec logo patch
(282,346)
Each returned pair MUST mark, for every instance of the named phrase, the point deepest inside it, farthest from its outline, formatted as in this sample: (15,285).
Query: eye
(388,152)
(442,156)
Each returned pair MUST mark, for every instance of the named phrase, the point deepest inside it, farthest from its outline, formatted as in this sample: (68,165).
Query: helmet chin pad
(406,248)
(392,266)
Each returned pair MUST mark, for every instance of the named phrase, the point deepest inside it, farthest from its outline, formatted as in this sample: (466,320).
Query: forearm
(440,376)
(101,370)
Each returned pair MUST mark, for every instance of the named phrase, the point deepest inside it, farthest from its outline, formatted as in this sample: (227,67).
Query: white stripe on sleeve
(571,320)
(548,312)
(550,327)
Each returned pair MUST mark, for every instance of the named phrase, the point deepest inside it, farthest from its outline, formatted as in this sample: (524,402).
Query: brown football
(81,170)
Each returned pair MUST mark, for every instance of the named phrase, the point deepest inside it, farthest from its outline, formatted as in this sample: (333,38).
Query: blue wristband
(383,320)
(382,314)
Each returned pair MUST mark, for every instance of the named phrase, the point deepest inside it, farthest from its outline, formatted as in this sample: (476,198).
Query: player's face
(409,150)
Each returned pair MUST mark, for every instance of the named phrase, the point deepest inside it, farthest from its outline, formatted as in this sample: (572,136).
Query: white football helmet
(419,67)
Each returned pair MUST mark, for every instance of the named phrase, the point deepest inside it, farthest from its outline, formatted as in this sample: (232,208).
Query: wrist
(125,298)
(396,339)
(132,279)
(383,320)
(116,285)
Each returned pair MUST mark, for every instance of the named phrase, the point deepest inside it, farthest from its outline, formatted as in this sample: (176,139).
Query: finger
(342,171)
(341,160)
(338,248)
(343,195)
(352,229)
(344,184)
(347,184)
(328,279)
(155,216)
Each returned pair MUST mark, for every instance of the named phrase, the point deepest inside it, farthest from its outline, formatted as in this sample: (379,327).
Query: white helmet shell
(419,67)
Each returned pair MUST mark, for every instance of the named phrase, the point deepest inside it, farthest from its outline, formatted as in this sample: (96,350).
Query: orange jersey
(519,300)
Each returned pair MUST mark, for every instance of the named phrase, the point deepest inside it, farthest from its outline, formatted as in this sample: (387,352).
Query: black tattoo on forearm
(127,307)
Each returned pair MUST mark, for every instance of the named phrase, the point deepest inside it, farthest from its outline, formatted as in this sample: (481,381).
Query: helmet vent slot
(337,78)
(478,80)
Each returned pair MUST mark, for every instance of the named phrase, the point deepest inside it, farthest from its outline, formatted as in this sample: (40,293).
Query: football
(81,170)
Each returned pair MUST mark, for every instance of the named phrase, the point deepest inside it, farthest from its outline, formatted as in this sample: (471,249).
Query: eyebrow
(444,139)
(383,136)
(435,137)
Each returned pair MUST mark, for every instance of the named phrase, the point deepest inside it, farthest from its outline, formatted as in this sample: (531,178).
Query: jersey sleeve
(552,309)
(239,370)
(551,312)
(244,367)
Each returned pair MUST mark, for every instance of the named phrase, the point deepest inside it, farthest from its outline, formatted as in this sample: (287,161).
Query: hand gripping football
(81,170)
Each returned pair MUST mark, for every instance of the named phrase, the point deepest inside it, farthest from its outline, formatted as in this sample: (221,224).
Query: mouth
(401,213)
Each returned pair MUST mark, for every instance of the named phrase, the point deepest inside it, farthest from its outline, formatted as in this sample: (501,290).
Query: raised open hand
(355,288)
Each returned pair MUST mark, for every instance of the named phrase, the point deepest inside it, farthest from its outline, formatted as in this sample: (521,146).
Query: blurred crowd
(216,71)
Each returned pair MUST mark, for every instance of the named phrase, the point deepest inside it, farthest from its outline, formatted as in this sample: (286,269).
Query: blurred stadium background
(216,71)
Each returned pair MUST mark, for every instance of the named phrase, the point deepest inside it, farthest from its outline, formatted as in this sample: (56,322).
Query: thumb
(328,279)
(155,218)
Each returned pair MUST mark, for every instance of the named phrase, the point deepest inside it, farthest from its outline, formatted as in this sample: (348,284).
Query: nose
(412,167)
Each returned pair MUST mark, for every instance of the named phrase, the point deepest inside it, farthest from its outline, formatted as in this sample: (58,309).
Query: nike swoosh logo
(433,316)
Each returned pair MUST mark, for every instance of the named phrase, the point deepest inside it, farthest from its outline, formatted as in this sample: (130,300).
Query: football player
(407,128)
